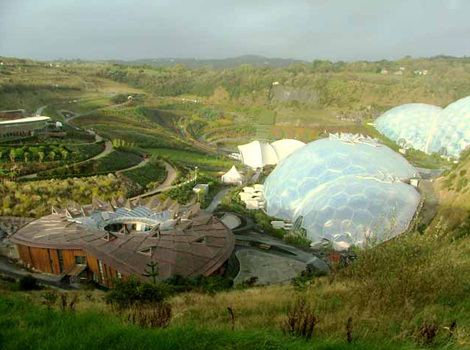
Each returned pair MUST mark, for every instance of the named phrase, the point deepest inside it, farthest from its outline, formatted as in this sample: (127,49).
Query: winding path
(40,110)
(108,148)
(165,185)
(217,199)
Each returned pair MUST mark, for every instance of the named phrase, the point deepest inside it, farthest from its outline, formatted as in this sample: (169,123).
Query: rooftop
(183,241)
(25,120)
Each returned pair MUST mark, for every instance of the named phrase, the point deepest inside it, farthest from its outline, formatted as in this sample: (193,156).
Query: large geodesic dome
(451,133)
(355,210)
(408,125)
(344,190)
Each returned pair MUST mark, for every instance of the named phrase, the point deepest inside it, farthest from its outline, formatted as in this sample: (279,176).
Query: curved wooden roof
(197,243)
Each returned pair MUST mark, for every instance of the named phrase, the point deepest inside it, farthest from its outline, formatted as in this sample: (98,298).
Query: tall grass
(27,327)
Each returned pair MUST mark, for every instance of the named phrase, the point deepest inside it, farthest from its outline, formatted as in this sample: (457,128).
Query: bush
(200,284)
(301,320)
(133,293)
(28,283)
(158,316)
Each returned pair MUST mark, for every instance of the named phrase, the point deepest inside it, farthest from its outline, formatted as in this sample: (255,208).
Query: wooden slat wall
(25,254)
(55,261)
(47,260)
(41,259)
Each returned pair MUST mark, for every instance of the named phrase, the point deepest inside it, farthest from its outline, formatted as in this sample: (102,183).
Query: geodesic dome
(451,133)
(347,173)
(352,210)
(408,125)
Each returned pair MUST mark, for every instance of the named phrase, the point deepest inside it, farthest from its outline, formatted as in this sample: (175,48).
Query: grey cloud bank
(302,29)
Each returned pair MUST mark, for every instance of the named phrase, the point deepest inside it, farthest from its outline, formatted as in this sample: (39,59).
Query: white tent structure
(286,147)
(257,154)
(233,177)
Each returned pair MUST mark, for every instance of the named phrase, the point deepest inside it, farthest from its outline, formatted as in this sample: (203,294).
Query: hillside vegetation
(454,207)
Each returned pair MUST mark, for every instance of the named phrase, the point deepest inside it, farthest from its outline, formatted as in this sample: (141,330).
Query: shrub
(28,283)
(67,304)
(200,284)
(133,292)
(158,316)
(50,298)
(301,320)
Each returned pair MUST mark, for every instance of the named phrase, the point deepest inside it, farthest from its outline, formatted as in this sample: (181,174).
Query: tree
(64,154)
(52,156)
(26,157)
(41,156)
(153,265)
(12,155)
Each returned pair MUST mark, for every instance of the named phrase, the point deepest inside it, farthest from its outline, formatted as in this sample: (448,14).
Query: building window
(100,266)
(80,260)
(61,260)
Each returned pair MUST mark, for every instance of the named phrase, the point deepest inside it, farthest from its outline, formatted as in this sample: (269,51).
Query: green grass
(25,326)
(112,162)
(147,174)
(207,162)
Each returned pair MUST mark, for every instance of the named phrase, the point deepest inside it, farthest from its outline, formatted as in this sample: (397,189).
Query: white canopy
(257,154)
(233,176)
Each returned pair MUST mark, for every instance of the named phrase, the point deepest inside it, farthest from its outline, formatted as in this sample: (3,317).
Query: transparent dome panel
(408,125)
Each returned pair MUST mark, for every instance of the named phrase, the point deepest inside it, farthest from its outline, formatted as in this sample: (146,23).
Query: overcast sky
(302,29)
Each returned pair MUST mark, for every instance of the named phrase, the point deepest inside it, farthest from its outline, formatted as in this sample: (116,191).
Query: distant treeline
(20,88)
(334,84)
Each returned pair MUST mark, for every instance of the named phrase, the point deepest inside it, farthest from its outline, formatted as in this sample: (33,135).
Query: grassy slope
(391,293)
(32,327)
(454,196)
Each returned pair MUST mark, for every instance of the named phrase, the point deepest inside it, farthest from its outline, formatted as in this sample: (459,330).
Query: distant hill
(225,63)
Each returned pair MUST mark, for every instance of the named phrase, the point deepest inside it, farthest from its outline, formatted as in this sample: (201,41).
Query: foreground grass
(391,297)
(34,327)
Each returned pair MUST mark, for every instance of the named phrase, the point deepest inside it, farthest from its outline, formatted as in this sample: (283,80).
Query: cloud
(306,29)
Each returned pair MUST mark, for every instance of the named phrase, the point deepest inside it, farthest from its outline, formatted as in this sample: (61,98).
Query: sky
(346,30)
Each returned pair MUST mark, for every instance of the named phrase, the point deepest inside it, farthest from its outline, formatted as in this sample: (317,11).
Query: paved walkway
(108,148)
(141,164)
(217,199)
(69,119)
(165,185)
(293,252)
(268,268)
(40,110)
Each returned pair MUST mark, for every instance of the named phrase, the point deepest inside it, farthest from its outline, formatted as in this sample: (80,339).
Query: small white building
(281,225)
(253,198)
(258,187)
(233,177)
(201,188)
(254,204)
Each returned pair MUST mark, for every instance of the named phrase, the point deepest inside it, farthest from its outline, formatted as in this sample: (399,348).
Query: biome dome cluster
(428,128)
(408,125)
(345,190)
